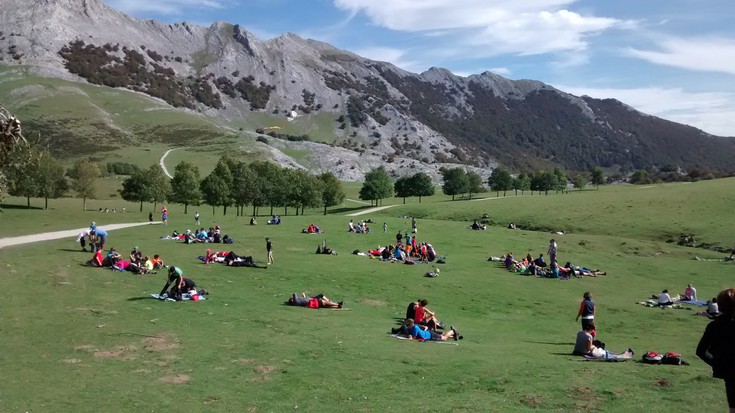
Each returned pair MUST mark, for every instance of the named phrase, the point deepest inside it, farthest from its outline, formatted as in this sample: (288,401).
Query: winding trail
(69,233)
(163,165)
(370,210)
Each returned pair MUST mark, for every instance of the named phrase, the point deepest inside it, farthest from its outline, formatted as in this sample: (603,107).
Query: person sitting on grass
(233,260)
(416,332)
(136,256)
(587,346)
(421,315)
(665,299)
(96,260)
(157,262)
(690,293)
(317,301)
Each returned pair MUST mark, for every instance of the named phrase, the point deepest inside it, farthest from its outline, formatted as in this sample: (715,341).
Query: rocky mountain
(376,112)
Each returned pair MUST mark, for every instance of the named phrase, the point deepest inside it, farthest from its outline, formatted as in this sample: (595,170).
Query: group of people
(422,324)
(178,287)
(312,229)
(96,237)
(360,227)
(136,262)
(230,259)
(540,268)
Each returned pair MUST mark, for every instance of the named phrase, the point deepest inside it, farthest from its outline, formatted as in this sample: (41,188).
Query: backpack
(651,358)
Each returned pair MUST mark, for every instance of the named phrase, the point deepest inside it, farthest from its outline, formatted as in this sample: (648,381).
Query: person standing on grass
(99,236)
(269,249)
(196,219)
(552,251)
(175,279)
(385,228)
(164,215)
(717,343)
(82,239)
(150,217)
(587,311)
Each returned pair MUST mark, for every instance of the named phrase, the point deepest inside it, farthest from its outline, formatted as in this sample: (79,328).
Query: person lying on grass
(586,345)
(234,260)
(317,301)
(188,286)
(417,332)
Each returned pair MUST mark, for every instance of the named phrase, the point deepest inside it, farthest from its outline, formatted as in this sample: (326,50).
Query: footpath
(70,233)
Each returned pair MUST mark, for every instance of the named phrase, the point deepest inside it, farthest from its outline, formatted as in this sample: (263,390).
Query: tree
(455,182)
(522,183)
(598,177)
(378,185)
(21,171)
(83,175)
(403,188)
(500,180)
(579,181)
(561,180)
(244,187)
(548,182)
(215,191)
(474,183)
(50,178)
(422,185)
(185,185)
(305,190)
(159,185)
(332,192)
(223,172)
(136,188)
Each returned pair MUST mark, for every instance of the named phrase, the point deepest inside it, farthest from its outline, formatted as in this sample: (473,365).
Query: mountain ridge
(434,117)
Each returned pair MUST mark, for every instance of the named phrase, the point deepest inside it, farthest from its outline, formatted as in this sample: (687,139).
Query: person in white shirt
(664,298)
(690,294)
(82,238)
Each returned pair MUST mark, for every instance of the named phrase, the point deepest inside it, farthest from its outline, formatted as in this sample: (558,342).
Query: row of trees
(233,183)
(379,185)
(35,173)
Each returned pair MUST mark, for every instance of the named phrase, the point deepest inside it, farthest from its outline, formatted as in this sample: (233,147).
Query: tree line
(236,184)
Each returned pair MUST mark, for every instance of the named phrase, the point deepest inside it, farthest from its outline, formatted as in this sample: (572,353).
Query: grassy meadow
(82,339)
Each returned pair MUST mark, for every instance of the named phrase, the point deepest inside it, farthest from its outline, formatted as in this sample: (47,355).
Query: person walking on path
(196,219)
(716,345)
(587,311)
(269,249)
(150,217)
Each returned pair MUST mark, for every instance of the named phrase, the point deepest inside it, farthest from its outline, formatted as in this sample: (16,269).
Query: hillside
(307,94)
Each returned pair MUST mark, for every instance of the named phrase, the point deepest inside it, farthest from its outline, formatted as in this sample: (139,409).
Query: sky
(670,58)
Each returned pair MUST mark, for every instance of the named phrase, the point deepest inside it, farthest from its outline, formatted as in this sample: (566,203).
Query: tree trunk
(28,202)
(186,209)
(404,200)
(84,204)
(452,197)
(325,210)
(419,200)
(503,194)
(271,210)
(141,206)
(224,210)
(253,210)
(212,210)
(46,203)
(285,211)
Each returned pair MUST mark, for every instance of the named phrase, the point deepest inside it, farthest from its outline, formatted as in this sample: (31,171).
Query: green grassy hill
(89,339)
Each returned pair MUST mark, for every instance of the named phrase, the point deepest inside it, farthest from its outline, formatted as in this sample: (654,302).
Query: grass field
(82,339)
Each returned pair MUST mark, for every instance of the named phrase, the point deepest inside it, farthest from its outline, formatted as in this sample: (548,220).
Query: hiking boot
(395,330)
(340,304)
(440,325)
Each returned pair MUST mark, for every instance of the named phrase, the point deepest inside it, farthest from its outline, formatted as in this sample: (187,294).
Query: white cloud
(389,54)
(523,27)
(171,7)
(713,112)
(707,54)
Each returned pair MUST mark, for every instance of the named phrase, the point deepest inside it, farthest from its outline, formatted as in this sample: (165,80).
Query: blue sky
(670,58)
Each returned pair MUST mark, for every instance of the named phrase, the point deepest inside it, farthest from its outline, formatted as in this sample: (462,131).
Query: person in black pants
(175,280)
(717,344)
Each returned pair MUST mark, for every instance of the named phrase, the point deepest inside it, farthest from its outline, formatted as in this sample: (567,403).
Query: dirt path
(70,233)
(163,165)
(371,210)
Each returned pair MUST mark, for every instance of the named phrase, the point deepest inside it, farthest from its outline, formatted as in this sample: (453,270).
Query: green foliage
(474,183)
(332,192)
(598,177)
(378,185)
(579,181)
(135,188)
(121,168)
(456,182)
(521,183)
(185,185)
(21,169)
(500,180)
(159,185)
(257,95)
(640,177)
(50,179)
(422,185)
(83,174)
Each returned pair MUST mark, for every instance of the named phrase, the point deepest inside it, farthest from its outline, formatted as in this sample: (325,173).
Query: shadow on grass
(141,298)
(549,343)
(15,206)
(563,354)
(71,250)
